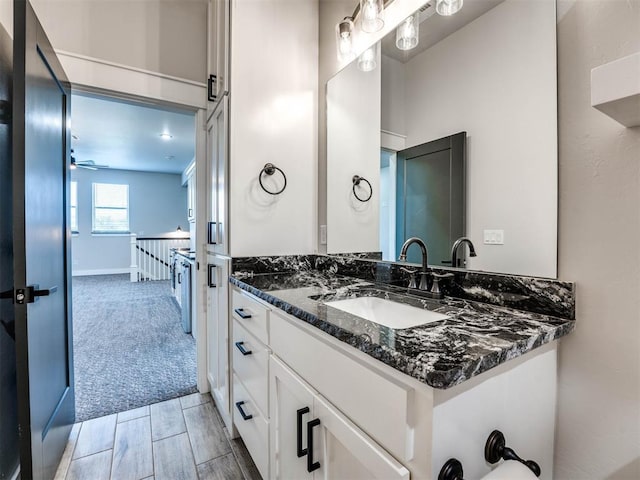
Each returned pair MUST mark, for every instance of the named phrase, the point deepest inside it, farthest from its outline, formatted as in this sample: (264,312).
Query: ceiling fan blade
(91,164)
(88,167)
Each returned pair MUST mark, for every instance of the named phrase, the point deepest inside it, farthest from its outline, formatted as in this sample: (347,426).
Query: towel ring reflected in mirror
(270,169)
(356,179)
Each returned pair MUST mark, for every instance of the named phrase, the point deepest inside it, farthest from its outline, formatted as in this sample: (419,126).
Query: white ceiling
(434,27)
(126,136)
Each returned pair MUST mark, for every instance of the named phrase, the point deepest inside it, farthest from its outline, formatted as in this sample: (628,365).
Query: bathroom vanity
(321,391)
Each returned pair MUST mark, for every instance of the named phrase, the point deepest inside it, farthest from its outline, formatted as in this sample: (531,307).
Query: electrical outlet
(494,237)
(323,234)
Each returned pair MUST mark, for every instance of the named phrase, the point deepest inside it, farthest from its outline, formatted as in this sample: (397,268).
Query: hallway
(129,347)
(180,438)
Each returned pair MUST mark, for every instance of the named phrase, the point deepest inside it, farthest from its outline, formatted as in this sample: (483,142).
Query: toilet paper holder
(494,450)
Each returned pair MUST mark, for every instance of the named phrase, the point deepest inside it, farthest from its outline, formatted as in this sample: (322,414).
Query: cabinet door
(291,407)
(223,30)
(218,333)
(218,55)
(217,135)
(346,452)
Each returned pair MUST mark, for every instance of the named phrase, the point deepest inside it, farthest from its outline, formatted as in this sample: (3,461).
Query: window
(110,208)
(74,207)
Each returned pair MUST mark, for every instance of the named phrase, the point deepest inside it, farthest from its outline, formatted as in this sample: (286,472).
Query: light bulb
(344,40)
(407,32)
(448,7)
(368,60)
(371,15)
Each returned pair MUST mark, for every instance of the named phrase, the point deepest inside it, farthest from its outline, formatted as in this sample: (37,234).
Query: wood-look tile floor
(183,438)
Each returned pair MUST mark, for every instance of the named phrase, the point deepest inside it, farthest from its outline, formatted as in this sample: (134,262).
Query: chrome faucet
(425,269)
(456,245)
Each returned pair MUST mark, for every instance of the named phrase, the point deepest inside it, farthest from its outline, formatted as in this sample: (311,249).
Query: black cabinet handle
(211,282)
(242,349)
(244,415)
(301,451)
(311,465)
(211,82)
(212,233)
(242,313)
(179,278)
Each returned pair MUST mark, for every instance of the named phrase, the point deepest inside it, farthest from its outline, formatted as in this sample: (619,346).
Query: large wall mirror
(455,137)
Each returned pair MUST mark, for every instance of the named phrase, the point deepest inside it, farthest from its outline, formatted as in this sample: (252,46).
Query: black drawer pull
(244,415)
(242,349)
(311,465)
(244,315)
(301,451)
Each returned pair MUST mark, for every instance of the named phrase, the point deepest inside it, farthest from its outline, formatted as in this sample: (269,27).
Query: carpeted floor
(129,347)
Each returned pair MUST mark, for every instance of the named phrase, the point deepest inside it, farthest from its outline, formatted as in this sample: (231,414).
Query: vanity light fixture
(166,136)
(368,60)
(371,15)
(448,7)
(408,31)
(344,39)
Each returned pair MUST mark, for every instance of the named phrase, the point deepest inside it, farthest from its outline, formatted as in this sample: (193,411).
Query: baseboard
(100,271)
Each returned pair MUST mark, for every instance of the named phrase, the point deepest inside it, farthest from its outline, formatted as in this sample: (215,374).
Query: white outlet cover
(494,237)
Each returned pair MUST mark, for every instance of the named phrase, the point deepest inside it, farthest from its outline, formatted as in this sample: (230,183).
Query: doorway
(130,217)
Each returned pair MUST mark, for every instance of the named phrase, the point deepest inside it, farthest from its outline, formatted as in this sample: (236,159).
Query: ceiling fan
(88,164)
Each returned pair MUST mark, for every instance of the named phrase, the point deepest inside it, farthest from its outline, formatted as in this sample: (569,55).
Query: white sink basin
(386,312)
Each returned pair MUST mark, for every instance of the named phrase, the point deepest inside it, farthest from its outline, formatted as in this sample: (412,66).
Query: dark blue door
(41,242)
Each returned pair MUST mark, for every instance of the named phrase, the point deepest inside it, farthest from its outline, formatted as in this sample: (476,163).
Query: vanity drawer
(376,402)
(250,314)
(251,368)
(255,430)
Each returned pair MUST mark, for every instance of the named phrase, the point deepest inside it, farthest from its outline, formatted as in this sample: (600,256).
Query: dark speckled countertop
(475,338)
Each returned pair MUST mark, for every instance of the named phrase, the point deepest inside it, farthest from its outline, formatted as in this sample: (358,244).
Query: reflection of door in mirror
(430,197)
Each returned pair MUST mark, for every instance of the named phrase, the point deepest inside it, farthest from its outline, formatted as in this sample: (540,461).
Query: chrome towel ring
(356,179)
(270,169)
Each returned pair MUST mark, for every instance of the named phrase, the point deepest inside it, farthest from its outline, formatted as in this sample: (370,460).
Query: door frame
(95,76)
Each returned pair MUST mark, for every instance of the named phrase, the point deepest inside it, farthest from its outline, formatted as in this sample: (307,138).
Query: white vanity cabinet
(310,438)
(374,421)
(276,412)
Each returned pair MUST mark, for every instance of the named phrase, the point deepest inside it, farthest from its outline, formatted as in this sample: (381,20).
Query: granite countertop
(475,338)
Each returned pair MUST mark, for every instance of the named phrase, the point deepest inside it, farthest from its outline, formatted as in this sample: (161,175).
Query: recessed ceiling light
(166,136)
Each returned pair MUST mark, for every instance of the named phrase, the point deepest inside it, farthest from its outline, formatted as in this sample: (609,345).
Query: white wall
(273,110)
(165,36)
(495,78)
(393,96)
(598,427)
(157,205)
(353,148)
